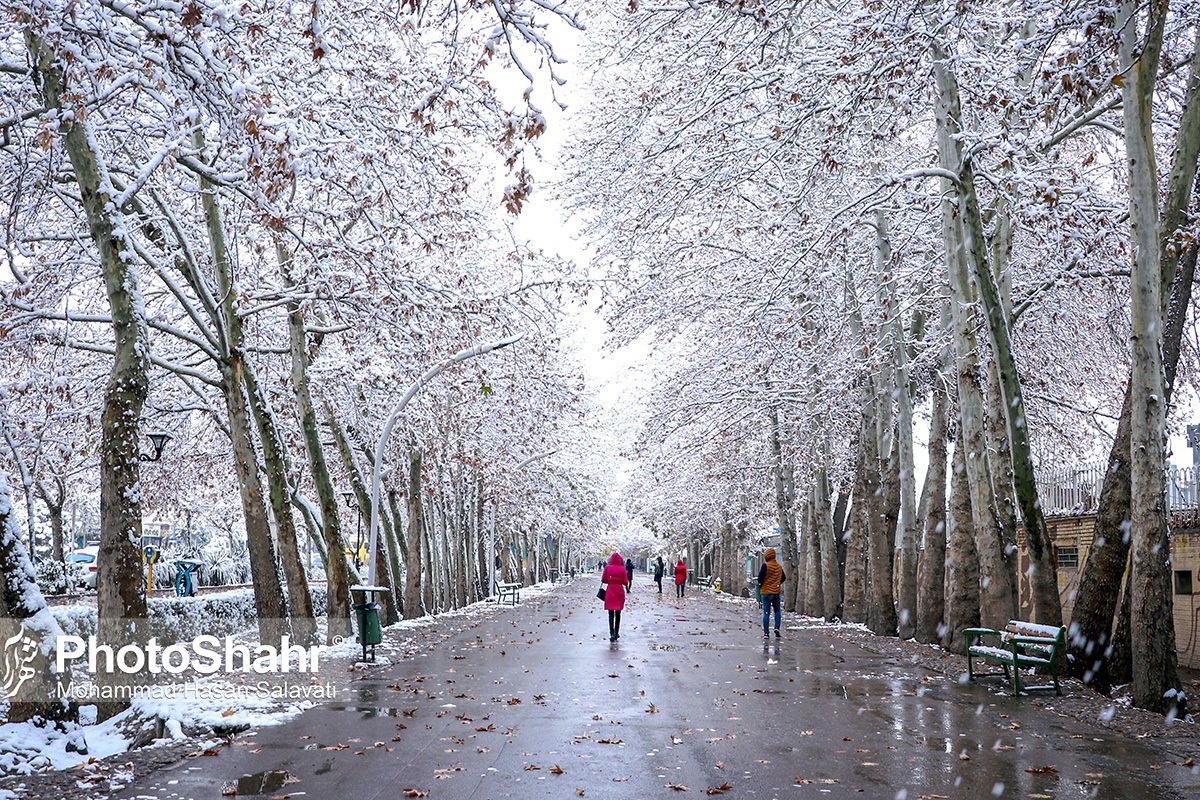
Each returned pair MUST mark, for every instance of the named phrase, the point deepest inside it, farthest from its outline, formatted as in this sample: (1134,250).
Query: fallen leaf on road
(799,779)
(653,709)
(556,770)
(416,793)
(679,787)
(1041,770)
(579,791)
(610,740)
(529,767)
(722,789)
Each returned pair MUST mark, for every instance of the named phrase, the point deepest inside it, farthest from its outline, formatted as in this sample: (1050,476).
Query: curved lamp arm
(390,425)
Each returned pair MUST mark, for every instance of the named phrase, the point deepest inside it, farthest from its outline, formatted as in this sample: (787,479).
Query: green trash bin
(370,631)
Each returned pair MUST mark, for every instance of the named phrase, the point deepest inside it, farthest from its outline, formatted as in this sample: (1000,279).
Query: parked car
(88,560)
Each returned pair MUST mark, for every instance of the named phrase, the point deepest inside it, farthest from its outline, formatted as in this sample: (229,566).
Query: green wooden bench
(508,592)
(1019,645)
(707,580)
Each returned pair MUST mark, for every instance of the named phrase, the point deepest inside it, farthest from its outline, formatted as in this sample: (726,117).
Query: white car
(87,559)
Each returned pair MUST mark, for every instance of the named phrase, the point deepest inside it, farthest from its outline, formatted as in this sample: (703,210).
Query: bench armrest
(978,633)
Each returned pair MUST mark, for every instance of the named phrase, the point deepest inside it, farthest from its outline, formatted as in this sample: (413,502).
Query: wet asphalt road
(690,697)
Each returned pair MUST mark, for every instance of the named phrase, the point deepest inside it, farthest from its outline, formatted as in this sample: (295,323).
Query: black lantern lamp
(159,442)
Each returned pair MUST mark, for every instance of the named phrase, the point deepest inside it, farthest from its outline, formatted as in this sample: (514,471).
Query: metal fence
(1076,490)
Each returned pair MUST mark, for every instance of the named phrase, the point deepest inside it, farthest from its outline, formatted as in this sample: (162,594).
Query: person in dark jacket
(629,571)
(659,569)
(770,585)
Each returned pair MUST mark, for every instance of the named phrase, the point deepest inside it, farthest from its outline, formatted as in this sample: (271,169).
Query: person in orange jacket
(770,583)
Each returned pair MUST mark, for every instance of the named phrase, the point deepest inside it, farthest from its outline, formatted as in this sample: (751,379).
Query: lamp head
(159,442)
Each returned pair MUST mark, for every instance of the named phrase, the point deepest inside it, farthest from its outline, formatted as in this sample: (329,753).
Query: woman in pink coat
(614,579)
(680,578)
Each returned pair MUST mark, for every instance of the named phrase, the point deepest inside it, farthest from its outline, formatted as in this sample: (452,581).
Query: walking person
(629,571)
(613,581)
(659,569)
(770,585)
(680,578)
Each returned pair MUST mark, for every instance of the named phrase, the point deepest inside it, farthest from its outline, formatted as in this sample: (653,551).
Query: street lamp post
(390,425)
(351,503)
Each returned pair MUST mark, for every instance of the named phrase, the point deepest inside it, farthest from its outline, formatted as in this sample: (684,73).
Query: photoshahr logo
(19,652)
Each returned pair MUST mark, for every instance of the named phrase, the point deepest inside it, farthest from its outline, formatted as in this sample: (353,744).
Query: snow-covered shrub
(225,563)
(52,576)
(181,619)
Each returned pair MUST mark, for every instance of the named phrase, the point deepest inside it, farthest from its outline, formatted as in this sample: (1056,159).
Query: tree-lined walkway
(689,697)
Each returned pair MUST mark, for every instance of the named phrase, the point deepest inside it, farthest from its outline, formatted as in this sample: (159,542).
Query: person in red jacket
(615,578)
(680,578)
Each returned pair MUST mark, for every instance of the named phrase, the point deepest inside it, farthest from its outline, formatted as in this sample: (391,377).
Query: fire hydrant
(717,586)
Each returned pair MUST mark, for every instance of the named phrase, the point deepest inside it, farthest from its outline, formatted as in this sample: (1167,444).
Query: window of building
(1183,581)
(1068,557)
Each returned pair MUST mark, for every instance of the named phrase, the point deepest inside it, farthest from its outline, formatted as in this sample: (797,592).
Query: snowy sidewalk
(535,702)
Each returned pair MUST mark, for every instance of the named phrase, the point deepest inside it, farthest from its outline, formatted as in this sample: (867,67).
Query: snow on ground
(27,748)
(224,701)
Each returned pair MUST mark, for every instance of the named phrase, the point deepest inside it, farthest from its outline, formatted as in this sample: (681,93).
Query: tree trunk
(962,566)
(822,529)
(1155,681)
(1043,571)
(784,499)
(906,527)
(814,589)
(23,613)
(1120,667)
(801,571)
(931,576)
(1100,583)
(1092,615)
(416,523)
(854,602)
(336,573)
(385,547)
(120,587)
(54,508)
(997,563)
(264,566)
(304,625)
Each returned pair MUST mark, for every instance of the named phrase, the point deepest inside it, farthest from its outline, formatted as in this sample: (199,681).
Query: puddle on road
(266,782)
(368,712)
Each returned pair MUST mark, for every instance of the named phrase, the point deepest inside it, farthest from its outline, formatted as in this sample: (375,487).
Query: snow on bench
(1022,645)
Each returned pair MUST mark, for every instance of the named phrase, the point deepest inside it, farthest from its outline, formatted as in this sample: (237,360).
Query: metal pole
(390,425)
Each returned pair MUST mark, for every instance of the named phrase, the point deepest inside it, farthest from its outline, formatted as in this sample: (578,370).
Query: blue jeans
(770,601)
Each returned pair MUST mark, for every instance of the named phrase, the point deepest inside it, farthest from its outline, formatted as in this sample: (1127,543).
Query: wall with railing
(1069,491)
